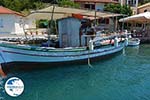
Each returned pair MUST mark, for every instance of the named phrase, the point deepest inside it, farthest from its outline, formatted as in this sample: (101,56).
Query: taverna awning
(61,12)
(140,18)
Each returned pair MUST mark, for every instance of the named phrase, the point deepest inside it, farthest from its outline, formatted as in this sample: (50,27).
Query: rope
(89,62)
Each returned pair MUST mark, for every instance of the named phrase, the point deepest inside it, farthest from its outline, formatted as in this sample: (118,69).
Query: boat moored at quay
(78,40)
(73,46)
(15,53)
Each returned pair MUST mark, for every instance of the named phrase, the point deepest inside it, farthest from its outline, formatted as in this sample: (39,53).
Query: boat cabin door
(64,40)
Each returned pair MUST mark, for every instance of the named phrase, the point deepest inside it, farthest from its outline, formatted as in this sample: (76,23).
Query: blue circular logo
(14,86)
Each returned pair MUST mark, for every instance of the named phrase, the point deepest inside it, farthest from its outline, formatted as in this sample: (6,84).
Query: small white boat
(134,42)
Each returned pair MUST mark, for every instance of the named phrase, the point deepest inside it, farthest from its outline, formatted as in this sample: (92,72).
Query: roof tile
(4,10)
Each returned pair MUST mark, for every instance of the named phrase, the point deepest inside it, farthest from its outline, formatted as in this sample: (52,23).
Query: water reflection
(121,77)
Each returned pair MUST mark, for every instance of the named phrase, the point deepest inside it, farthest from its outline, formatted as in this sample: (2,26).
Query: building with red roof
(4,10)
(11,21)
(97,5)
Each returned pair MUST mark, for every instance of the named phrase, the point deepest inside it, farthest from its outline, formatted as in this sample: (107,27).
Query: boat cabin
(73,32)
(68,29)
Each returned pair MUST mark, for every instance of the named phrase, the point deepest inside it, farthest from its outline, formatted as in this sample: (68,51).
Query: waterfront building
(105,18)
(11,21)
(144,8)
(132,3)
(97,5)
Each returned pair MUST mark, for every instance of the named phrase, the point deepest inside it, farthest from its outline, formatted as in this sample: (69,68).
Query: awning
(61,12)
(140,18)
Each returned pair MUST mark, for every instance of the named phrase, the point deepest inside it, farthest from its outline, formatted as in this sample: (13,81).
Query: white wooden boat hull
(133,44)
(10,55)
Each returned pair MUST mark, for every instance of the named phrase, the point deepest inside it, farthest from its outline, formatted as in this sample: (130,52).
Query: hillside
(25,6)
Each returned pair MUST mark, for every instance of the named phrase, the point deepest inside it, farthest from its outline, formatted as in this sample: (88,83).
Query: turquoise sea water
(125,76)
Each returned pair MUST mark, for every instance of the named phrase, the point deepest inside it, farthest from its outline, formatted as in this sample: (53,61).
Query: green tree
(22,5)
(141,2)
(117,8)
(68,3)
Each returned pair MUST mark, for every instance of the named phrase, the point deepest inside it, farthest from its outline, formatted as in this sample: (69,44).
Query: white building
(132,3)
(97,5)
(11,22)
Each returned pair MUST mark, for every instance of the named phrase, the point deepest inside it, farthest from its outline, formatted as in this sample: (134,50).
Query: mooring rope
(89,62)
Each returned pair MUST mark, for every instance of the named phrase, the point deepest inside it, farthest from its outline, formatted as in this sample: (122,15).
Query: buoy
(2,72)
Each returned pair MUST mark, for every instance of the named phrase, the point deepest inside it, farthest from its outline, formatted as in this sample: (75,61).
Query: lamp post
(50,26)
(95,15)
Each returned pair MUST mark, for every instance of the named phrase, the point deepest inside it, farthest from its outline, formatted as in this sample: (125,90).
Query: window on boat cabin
(1,23)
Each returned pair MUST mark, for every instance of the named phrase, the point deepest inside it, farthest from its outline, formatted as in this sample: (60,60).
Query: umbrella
(139,18)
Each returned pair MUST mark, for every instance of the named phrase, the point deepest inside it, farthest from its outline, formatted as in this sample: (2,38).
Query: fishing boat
(72,46)
(133,42)
(16,53)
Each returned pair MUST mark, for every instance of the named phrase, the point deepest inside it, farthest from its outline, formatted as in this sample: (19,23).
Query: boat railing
(43,49)
(112,38)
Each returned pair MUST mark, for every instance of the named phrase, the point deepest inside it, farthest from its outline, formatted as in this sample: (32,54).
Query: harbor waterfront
(121,77)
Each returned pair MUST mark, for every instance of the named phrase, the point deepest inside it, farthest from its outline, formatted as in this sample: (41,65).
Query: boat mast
(50,25)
